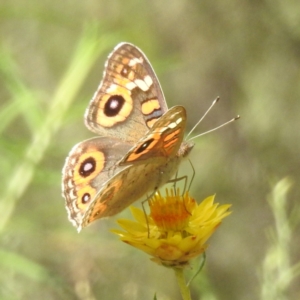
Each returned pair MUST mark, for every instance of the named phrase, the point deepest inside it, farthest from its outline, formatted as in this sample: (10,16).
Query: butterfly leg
(174,185)
(176,179)
(193,175)
(144,210)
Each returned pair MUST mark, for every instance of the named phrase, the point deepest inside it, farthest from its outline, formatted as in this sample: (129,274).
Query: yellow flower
(176,229)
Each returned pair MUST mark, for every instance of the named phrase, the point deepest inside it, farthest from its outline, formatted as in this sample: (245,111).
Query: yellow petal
(131,226)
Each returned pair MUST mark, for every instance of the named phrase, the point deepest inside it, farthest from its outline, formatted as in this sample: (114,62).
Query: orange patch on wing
(125,60)
(171,135)
(104,205)
(151,122)
(135,156)
(171,140)
(168,146)
(149,106)
(97,211)
(118,68)
(131,75)
(125,65)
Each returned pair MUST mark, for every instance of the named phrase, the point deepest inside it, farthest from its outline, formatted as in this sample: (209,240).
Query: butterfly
(139,144)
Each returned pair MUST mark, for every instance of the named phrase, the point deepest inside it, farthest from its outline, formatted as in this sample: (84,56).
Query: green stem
(185,292)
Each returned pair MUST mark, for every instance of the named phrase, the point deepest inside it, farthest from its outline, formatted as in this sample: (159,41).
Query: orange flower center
(171,212)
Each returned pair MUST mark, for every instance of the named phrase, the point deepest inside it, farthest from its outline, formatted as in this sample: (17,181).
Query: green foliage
(278,272)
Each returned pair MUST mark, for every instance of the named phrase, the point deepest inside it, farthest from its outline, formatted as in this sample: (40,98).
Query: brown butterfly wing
(150,164)
(129,99)
(88,167)
(163,139)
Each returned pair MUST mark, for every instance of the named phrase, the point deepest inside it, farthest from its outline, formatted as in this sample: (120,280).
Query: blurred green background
(52,55)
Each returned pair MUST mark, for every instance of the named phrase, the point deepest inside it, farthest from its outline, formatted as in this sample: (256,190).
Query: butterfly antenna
(211,106)
(222,125)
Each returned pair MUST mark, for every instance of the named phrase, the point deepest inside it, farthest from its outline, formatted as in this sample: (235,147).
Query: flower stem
(185,292)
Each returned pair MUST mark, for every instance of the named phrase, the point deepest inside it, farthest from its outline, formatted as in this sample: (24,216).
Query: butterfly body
(140,144)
